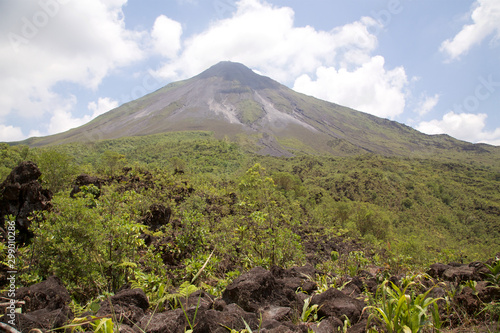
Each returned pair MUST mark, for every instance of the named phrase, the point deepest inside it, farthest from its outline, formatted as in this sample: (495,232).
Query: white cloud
(103,104)
(10,133)
(265,38)
(426,105)
(166,36)
(43,43)
(486,18)
(258,34)
(62,119)
(464,126)
(369,88)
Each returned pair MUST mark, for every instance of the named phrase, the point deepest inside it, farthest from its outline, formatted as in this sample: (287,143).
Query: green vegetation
(309,312)
(232,210)
(10,157)
(401,310)
(250,111)
(98,325)
(89,243)
(494,275)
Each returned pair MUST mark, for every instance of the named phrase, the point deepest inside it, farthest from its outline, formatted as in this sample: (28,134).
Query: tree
(270,218)
(10,157)
(56,167)
(112,161)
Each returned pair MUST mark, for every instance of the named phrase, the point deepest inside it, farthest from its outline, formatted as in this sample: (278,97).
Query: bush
(371,221)
(57,169)
(88,243)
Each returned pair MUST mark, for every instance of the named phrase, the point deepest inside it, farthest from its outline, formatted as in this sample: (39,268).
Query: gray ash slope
(231,100)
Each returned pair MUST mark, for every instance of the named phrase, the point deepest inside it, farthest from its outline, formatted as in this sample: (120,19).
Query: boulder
(325,326)
(459,273)
(359,284)
(170,321)
(42,319)
(486,292)
(85,180)
(437,270)
(20,195)
(206,321)
(469,301)
(480,270)
(334,303)
(157,216)
(233,317)
(128,306)
(253,290)
(49,294)
(285,328)
(296,278)
(276,313)
(200,299)
(46,306)
(358,327)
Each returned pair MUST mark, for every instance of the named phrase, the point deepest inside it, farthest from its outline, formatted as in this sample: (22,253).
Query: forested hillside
(160,210)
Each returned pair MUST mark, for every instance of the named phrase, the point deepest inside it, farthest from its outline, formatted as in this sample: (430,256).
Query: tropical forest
(189,232)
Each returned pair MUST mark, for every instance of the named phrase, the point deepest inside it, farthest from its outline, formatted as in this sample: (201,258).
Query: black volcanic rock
(45,306)
(20,195)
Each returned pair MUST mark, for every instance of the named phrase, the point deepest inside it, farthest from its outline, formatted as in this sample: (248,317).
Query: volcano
(234,102)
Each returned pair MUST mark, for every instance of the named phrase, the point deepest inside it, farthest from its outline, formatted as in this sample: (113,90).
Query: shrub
(87,243)
(57,169)
(371,220)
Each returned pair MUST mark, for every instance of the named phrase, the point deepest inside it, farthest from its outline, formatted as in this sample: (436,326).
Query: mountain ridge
(231,100)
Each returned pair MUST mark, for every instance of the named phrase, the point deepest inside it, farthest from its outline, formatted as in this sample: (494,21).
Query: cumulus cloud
(103,104)
(486,22)
(464,126)
(370,88)
(427,104)
(264,37)
(337,65)
(43,44)
(62,118)
(10,133)
(166,36)
(258,34)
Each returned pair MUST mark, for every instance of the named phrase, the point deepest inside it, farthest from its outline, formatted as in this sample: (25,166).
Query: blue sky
(433,65)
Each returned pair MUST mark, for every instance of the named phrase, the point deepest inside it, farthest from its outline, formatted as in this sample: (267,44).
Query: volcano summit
(232,101)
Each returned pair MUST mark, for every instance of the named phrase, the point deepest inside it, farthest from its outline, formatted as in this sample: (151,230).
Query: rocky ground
(265,300)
